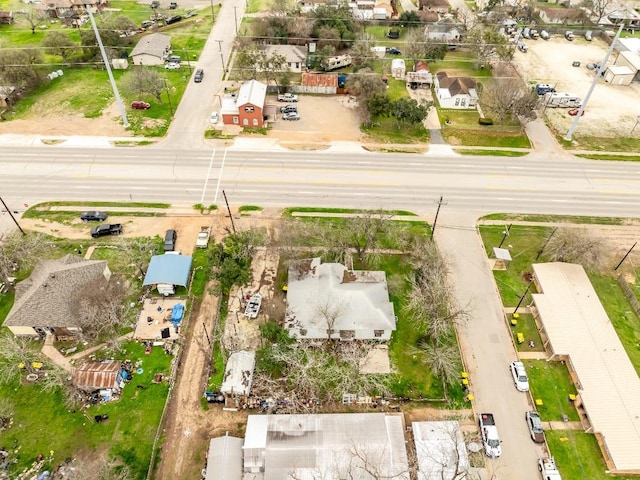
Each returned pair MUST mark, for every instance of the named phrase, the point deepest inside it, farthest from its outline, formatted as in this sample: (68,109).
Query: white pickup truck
(548,469)
(489,433)
(203,237)
(287,97)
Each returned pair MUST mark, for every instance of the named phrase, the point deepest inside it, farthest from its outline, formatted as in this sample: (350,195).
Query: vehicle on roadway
(93,216)
(489,434)
(199,75)
(214,118)
(170,238)
(535,426)
(548,469)
(519,374)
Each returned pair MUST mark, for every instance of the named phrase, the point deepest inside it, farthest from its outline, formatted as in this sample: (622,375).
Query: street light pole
(213,13)
(637,121)
(235,15)
(168,96)
(221,54)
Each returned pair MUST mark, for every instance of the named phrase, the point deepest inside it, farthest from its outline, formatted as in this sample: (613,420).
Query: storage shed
(619,75)
(629,59)
(398,68)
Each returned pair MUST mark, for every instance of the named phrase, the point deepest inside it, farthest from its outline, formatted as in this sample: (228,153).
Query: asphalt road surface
(330,178)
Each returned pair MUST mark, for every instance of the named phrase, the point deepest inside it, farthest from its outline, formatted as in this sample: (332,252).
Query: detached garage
(619,75)
(628,59)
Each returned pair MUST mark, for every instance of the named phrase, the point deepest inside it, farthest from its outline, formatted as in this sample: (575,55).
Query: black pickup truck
(106,229)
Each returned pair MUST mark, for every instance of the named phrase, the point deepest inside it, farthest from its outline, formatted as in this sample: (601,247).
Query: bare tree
(60,44)
(21,252)
(34,17)
(443,361)
(577,245)
(509,98)
(100,310)
(599,8)
(444,456)
(364,85)
(16,356)
(362,53)
(144,81)
(489,43)
(329,309)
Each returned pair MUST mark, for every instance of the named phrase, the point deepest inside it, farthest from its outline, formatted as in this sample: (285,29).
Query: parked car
(535,426)
(214,118)
(519,375)
(291,116)
(534,34)
(174,59)
(172,66)
(106,229)
(155,4)
(170,240)
(148,24)
(287,97)
(214,397)
(588,35)
(394,51)
(288,109)
(542,88)
(93,216)
(569,35)
(174,19)
(173,6)
(393,33)
(489,434)
(199,75)
(544,34)
(574,111)
(522,47)
(138,105)
(526,32)
(190,14)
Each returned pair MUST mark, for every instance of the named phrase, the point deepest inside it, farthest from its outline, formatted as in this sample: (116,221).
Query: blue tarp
(171,269)
(176,313)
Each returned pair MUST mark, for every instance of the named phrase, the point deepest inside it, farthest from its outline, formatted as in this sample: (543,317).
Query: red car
(138,105)
(574,111)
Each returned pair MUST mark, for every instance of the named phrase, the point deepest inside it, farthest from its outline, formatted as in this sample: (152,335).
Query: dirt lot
(611,111)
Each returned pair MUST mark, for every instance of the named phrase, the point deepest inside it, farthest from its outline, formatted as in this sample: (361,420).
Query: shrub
(485,121)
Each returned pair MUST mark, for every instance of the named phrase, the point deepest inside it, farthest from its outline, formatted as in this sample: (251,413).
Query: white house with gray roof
(151,49)
(294,55)
(326,300)
(43,302)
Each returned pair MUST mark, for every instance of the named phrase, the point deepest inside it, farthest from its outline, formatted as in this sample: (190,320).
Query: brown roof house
(327,300)
(455,92)
(245,108)
(43,302)
(151,49)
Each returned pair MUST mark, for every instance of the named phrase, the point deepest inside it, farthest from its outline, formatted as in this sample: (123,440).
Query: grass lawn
(288,212)
(621,158)
(578,456)
(492,153)
(201,268)
(42,423)
(527,326)
(387,130)
(602,144)
(525,243)
(460,127)
(550,382)
(556,218)
(622,316)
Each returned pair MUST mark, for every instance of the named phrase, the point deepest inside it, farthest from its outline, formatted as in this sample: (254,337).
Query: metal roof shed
(238,374)
(440,450)
(224,460)
(579,330)
(171,269)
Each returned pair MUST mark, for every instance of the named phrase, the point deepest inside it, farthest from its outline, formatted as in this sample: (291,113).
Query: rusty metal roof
(95,375)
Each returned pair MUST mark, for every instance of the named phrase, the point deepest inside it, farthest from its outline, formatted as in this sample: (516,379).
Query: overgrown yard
(42,422)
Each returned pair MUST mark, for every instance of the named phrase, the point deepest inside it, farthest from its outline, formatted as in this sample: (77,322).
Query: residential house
(455,92)
(630,18)
(384,10)
(69,10)
(444,30)
(562,16)
(420,76)
(441,6)
(327,300)
(7,96)
(246,107)
(151,49)
(359,446)
(362,9)
(44,301)
(307,6)
(295,56)
(6,18)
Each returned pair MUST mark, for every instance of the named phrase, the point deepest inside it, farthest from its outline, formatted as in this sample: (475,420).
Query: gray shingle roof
(43,299)
(155,44)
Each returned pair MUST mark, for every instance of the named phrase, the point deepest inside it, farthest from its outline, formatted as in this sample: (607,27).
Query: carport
(169,269)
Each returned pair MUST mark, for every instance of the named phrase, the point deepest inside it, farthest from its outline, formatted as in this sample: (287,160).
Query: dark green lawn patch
(551,383)
(492,153)
(250,208)
(488,136)
(578,455)
(527,326)
(71,203)
(201,268)
(601,144)
(387,130)
(288,212)
(525,243)
(610,156)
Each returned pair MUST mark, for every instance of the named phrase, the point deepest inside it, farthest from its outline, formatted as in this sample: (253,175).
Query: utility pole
(221,54)
(213,13)
(12,217)
(599,72)
(523,297)
(235,15)
(545,243)
(625,257)
(233,226)
(505,234)
(123,112)
(435,220)
(168,96)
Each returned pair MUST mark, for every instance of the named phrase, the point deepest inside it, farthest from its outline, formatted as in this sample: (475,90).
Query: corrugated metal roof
(96,375)
(319,80)
(578,326)
(224,461)
(238,373)
(327,446)
(172,269)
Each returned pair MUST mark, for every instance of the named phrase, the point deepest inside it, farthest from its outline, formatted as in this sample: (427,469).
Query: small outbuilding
(168,270)
(619,75)
(238,377)
(224,460)
(398,68)
(99,376)
(151,49)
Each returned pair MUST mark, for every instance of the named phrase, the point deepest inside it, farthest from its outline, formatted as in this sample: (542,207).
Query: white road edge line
(206,180)
(224,157)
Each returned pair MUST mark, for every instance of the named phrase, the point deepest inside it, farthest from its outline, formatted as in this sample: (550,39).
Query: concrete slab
(156,316)
(376,360)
